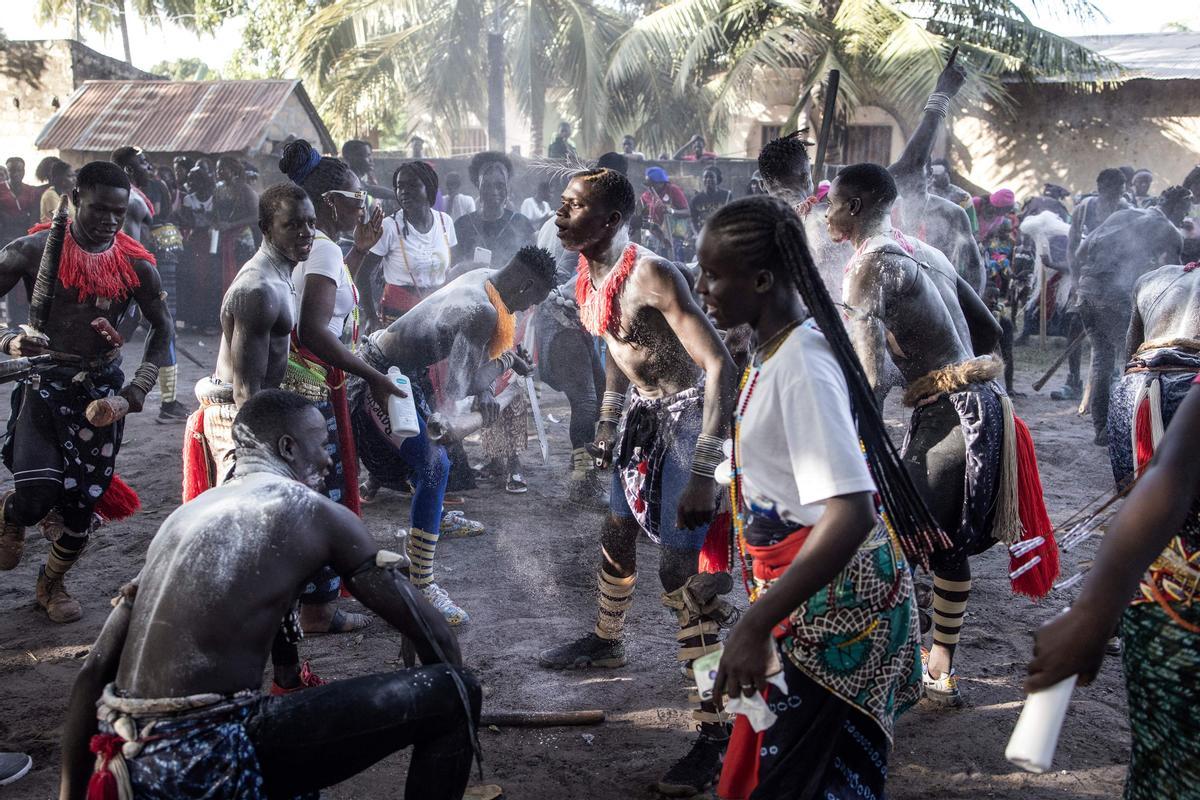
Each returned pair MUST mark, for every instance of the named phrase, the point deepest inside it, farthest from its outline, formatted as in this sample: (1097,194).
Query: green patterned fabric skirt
(1162,676)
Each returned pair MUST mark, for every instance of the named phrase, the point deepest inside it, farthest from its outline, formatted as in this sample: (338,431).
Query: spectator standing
(454,201)
(561,148)
(62,181)
(668,216)
(710,198)
(629,148)
(538,209)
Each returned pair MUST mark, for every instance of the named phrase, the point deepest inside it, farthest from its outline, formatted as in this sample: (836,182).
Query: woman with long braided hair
(839,619)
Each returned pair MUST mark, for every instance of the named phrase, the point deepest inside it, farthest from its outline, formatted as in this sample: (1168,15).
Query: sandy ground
(529,583)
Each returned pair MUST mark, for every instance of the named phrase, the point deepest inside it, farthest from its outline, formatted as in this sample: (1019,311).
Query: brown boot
(52,596)
(12,540)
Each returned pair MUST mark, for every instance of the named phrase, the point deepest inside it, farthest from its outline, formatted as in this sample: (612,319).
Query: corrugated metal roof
(1160,56)
(173,116)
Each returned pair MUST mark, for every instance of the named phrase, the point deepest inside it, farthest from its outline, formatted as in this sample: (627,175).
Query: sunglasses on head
(360,196)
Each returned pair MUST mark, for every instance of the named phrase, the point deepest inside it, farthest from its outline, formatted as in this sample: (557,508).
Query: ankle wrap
(166,382)
(582,461)
(420,547)
(616,596)
(63,554)
(949,605)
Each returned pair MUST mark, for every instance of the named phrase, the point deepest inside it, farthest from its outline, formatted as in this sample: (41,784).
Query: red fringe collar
(107,274)
(600,307)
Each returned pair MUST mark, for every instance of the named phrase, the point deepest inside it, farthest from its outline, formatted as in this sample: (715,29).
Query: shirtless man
(62,462)
(257,317)
(929,217)
(895,305)
(469,323)
(1129,243)
(1163,357)
(184,649)
(569,360)
(666,448)
(143,220)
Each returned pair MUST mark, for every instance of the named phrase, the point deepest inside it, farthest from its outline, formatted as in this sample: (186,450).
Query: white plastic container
(402,411)
(1036,736)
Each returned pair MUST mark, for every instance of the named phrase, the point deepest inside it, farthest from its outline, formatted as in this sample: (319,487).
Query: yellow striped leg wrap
(949,605)
(166,382)
(420,546)
(616,596)
(63,554)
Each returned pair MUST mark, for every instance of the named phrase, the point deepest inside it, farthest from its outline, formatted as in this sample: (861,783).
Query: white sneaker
(438,598)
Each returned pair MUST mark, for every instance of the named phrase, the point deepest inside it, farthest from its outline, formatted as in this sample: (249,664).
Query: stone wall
(33,76)
(1059,135)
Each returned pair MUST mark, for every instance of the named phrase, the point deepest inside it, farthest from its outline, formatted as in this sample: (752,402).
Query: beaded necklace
(746,385)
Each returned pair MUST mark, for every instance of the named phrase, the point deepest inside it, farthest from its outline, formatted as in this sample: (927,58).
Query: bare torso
(1167,304)
(219,575)
(945,226)
(1128,244)
(69,328)
(646,350)
(454,323)
(264,281)
(894,303)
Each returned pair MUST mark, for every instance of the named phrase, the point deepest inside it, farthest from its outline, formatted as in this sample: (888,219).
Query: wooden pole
(831,90)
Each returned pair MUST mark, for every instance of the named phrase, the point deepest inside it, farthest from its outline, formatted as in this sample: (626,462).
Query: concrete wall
(33,74)
(1063,136)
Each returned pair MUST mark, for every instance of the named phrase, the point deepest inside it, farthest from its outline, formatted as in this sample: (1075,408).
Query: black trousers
(321,736)
(1106,325)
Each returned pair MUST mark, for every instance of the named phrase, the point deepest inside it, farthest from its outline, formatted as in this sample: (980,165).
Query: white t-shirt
(461,205)
(801,394)
(326,259)
(535,209)
(420,257)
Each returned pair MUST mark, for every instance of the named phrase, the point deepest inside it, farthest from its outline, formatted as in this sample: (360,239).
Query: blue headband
(304,171)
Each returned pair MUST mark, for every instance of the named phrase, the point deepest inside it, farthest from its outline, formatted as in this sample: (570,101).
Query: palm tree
(889,52)
(369,58)
(104,15)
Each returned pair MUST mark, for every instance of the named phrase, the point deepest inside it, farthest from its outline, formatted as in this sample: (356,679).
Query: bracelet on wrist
(144,377)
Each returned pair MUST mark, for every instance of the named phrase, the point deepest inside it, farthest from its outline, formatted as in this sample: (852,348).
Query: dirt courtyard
(530,582)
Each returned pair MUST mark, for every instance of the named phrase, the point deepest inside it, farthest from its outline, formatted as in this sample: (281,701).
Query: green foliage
(889,52)
(186,69)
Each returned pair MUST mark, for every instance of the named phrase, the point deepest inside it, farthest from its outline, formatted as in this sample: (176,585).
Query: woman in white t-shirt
(414,246)
(839,621)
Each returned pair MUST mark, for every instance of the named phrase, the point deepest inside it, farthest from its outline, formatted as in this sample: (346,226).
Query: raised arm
(1152,515)
(98,670)
(911,164)
(252,312)
(385,590)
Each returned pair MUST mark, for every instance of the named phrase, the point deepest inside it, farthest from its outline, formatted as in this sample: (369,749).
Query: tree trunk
(121,18)
(495,52)
(78,26)
(537,110)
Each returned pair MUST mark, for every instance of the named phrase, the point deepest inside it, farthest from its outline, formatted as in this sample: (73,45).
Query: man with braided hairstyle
(665,444)
(61,457)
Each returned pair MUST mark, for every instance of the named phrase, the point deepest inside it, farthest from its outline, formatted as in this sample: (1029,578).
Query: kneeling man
(177,670)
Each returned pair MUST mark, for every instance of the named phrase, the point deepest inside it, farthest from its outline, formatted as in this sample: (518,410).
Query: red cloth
(118,502)
(107,274)
(657,206)
(196,475)
(227,253)
(398,300)
(714,556)
(739,773)
(1037,582)
(335,379)
(103,784)
(1143,436)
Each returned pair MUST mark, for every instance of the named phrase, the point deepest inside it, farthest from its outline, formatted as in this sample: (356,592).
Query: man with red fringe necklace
(665,444)
(62,454)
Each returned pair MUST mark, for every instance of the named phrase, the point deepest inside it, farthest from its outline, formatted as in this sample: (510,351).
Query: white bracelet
(939,103)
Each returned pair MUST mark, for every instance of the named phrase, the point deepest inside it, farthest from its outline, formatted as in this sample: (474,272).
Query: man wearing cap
(667,212)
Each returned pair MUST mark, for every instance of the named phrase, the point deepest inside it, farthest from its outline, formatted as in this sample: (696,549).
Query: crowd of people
(732,382)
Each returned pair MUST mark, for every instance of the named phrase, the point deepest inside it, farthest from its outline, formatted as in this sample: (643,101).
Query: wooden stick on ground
(1075,344)
(541,719)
